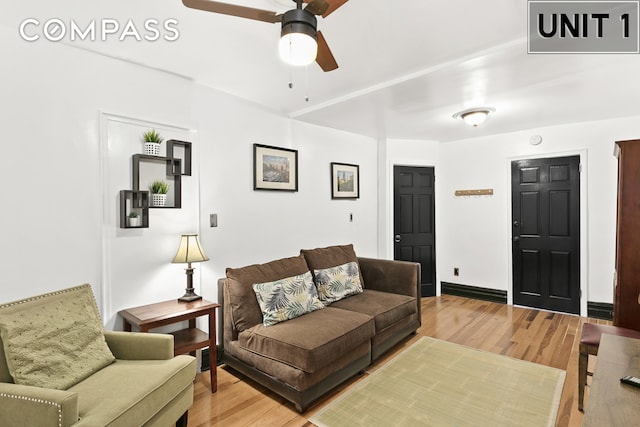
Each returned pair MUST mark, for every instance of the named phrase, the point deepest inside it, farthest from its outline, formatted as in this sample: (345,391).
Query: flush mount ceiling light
(474,116)
(298,39)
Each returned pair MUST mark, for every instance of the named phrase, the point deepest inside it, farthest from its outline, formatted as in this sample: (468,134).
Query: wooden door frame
(584,271)
(389,231)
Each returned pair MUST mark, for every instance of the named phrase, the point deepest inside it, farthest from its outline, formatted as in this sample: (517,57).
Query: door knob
(516,238)
(516,223)
(397,238)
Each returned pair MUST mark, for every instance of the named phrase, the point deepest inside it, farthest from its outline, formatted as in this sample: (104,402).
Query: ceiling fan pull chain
(306,83)
(290,77)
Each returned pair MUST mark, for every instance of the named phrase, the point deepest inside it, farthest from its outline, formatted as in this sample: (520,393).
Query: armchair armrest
(139,345)
(36,406)
(398,277)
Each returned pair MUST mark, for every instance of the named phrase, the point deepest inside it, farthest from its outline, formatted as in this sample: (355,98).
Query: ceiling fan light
(298,38)
(474,116)
(298,49)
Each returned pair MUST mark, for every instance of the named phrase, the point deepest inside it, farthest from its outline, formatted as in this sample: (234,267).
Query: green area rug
(437,383)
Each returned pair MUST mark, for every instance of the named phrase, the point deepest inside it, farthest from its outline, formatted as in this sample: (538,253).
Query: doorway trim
(584,224)
(388,227)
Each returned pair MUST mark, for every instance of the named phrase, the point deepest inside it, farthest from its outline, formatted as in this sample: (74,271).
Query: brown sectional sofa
(306,356)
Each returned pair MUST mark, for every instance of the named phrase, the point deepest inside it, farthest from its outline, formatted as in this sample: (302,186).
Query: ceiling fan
(300,42)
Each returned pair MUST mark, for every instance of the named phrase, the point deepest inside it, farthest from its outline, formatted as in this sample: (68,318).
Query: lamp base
(189,296)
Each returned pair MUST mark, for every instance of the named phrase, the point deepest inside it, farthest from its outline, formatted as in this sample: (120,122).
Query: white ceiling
(405,66)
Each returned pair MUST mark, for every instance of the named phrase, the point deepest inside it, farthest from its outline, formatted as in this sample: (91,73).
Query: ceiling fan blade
(333,5)
(234,10)
(317,7)
(325,58)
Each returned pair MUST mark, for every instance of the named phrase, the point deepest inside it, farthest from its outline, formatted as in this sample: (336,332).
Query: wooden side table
(188,340)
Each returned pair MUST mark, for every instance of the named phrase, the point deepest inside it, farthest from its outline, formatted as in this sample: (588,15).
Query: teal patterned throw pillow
(287,298)
(338,282)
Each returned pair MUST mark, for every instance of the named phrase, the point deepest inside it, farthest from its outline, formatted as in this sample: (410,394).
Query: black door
(414,221)
(546,233)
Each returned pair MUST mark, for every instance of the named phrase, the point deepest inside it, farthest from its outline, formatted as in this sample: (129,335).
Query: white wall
(54,216)
(56,172)
(50,197)
(259,226)
(64,167)
(474,235)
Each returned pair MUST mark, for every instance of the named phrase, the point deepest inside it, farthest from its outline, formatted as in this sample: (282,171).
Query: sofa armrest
(398,277)
(24,406)
(139,345)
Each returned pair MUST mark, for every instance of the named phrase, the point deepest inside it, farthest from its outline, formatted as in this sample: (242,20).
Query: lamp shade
(298,38)
(190,250)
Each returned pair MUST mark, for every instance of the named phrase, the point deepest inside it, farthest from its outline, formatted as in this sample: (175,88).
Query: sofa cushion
(335,283)
(286,299)
(129,392)
(54,340)
(332,256)
(358,356)
(386,308)
(245,311)
(312,341)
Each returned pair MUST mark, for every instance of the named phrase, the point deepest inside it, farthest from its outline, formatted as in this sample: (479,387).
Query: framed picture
(275,168)
(345,181)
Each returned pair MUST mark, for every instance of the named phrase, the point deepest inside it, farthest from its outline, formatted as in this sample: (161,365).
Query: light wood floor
(537,336)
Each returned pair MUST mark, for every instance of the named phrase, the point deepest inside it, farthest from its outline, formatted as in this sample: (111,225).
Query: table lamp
(190,251)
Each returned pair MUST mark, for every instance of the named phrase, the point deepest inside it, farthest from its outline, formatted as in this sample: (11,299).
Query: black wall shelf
(174,171)
(134,201)
(175,168)
(186,161)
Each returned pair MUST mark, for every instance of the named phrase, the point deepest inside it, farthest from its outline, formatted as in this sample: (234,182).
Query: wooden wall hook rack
(484,192)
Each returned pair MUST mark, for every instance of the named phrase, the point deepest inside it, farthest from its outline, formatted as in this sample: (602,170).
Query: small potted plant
(152,141)
(134,219)
(159,190)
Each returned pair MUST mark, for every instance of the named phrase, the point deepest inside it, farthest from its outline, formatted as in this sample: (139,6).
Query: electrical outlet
(456,271)
(213,220)
(350,217)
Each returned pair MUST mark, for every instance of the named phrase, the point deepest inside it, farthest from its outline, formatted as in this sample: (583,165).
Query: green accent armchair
(144,386)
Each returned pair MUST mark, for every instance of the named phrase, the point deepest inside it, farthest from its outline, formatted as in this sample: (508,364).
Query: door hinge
(579,167)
